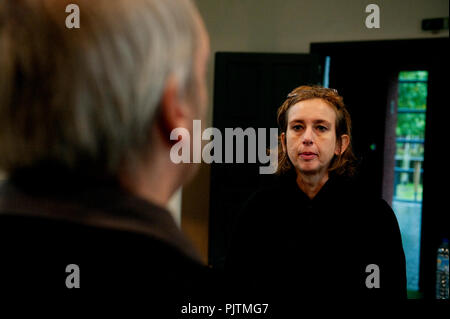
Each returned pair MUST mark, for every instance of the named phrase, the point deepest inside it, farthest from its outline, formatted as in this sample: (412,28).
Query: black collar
(96,204)
(333,188)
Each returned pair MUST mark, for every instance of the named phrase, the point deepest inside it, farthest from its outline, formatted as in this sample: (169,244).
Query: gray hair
(88,95)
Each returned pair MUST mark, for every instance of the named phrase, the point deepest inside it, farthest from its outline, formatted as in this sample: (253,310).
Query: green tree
(411,96)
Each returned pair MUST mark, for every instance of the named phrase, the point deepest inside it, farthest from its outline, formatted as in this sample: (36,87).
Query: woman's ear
(283,141)
(342,146)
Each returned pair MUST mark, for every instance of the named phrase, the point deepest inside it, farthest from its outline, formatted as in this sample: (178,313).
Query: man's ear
(345,141)
(173,111)
(283,141)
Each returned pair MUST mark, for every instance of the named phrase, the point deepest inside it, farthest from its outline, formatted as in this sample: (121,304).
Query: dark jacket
(123,245)
(286,244)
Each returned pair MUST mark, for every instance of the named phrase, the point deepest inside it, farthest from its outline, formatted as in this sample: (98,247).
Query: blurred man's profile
(85,116)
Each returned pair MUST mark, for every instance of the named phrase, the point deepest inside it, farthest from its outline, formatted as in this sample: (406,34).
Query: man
(85,116)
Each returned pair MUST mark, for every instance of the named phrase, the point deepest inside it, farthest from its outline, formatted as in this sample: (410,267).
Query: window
(409,156)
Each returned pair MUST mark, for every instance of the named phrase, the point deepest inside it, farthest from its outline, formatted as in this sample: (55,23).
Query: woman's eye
(322,128)
(297,127)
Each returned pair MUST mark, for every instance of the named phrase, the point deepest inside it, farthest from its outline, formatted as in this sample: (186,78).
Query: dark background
(249,88)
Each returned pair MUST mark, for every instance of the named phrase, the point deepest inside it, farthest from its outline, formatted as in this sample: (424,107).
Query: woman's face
(310,139)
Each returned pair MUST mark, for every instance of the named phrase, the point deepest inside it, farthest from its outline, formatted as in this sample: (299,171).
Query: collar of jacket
(334,188)
(107,206)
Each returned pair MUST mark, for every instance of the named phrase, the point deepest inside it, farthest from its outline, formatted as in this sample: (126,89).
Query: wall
(290,26)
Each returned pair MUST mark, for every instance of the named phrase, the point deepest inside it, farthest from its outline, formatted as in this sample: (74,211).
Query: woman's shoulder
(270,186)
(376,211)
(364,200)
(263,201)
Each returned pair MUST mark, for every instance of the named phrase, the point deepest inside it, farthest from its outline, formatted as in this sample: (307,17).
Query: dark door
(363,73)
(248,89)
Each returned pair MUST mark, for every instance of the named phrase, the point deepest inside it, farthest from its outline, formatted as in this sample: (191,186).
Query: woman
(316,233)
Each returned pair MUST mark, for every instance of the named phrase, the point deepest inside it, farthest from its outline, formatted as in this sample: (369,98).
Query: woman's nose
(307,137)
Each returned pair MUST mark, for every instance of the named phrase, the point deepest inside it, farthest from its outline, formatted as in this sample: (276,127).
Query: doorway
(395,92)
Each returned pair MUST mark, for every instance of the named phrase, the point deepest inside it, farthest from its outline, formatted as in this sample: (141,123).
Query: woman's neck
(311,184)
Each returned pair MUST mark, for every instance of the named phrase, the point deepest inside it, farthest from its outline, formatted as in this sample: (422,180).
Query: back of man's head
(87,96)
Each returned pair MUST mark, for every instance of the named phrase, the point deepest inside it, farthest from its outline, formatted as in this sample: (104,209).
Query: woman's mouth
(307,156)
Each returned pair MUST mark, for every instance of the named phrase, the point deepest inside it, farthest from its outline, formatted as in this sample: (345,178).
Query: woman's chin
(308,170)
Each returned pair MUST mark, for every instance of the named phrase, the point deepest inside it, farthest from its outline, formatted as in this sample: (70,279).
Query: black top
(123,245)
(286,243)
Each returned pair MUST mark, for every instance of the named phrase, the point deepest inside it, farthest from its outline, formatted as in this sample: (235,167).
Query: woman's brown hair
(343,164)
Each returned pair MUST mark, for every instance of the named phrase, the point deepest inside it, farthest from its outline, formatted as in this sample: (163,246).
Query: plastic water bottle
(442,271)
